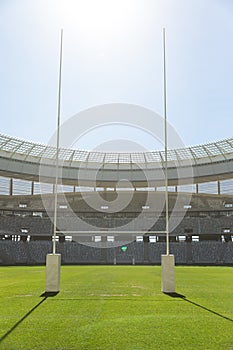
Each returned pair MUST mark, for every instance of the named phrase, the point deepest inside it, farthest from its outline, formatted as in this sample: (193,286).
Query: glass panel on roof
(111,157)
(184,153)
(124,158)
(24,148)
(96,157)
(199,152)
(10,146)
(49,152)
(213,149)
(171,155)
(138,157)
(226,146)
(80,155)
(153,156)
(64,154)
(230,141)
(37,150)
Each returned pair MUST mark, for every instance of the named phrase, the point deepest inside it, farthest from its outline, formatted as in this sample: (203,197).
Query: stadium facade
(90,216)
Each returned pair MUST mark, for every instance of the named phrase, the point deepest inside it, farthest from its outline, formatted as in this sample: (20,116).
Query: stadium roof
(194,153)
(24,159)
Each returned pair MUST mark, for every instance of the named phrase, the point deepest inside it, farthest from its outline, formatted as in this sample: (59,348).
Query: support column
(219,188)
(11,187)
(32,188)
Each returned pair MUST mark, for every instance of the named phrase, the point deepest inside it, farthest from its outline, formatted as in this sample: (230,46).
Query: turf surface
(116,307)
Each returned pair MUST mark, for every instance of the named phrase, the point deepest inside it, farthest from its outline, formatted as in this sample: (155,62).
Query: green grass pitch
(116,307)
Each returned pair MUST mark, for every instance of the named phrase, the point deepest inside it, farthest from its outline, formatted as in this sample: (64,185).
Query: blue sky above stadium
(113,53)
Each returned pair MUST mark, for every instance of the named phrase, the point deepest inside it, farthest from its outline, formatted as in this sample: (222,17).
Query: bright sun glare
(98,17)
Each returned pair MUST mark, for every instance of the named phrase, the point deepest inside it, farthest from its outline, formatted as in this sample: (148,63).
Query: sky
(113,53)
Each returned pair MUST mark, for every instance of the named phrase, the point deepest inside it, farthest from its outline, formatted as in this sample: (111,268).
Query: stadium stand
(34,253)
(203,235)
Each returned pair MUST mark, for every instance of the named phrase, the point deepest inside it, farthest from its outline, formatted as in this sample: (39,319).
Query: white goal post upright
(53,261)
(167,261)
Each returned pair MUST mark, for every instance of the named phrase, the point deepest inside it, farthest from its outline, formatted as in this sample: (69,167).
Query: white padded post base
(53,264)
(168,273)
